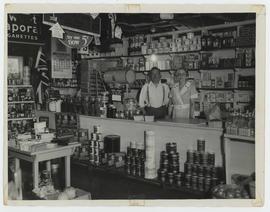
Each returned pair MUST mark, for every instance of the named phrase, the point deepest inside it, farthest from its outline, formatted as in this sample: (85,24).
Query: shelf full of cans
(200,172)
(21,109)
(241,123)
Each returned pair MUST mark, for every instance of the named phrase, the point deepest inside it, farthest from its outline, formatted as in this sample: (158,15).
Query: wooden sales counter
(184,132)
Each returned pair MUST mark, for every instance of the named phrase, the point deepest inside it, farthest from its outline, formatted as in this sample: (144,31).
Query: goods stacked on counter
(169,171)
(200,171)
(135,160)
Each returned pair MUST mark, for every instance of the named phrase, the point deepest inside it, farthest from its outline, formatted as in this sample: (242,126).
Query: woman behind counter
(183,94)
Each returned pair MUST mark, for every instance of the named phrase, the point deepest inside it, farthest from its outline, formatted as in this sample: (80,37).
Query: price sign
(76,40)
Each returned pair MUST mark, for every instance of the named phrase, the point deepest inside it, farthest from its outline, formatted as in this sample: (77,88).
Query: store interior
(79,126)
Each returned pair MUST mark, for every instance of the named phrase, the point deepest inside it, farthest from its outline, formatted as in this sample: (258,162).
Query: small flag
(41,77)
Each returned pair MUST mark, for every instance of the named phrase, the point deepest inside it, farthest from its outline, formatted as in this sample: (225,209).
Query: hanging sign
(76,22)
(57,31)
(76,40)
(24,28)
(61,60)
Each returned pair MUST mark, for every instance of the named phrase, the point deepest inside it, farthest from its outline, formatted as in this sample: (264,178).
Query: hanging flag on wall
(40,77)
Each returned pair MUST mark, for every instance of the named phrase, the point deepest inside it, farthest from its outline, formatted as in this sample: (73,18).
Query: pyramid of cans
(169,166)
(200,170)
(96,147)
(135,159)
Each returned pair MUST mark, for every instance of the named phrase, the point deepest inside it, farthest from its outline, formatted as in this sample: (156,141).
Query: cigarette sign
(24,28)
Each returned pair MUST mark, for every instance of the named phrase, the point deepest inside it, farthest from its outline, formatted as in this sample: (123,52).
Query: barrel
(120,76)
(111,143)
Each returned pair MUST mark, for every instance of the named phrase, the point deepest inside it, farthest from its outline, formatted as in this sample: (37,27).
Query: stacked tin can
(96,147)
(200,170)
(169,166)
(135,159)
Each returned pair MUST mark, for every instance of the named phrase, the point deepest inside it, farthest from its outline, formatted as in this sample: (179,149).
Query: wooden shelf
(245,89)
(22,102)
(218,68)
(64,87)
(239,137)
(19,86)
(217,89)
(217,49)
(20,119)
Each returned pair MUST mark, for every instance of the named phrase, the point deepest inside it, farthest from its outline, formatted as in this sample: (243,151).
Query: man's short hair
(153,69)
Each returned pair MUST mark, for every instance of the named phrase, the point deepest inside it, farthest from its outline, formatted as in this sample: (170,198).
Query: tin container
(188,180)
(207,184)
(170,178)
(201,145)
(214,172)
(164,164)
(214,181)
(211,158)
(200,170)
(188,168)
(204,158)
(201,183)
(178,179)
(195,169)
(207,171)
(171,148)
(129,151)
(194,182)
(190,157)
(197,157)
(163,155)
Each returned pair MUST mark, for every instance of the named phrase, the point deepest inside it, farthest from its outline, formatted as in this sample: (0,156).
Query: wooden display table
(44,155)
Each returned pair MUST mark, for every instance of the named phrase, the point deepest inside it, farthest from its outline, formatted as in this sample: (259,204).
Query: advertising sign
(61,60)
(24,28)
(76,40)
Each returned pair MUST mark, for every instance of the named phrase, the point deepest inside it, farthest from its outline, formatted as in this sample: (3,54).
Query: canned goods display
(201,145)
(135,160)
(199,168)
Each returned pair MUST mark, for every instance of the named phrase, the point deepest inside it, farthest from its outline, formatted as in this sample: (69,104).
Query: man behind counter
(154,96)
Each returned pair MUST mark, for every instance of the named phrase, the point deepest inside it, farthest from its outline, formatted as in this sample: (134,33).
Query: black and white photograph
(133,106)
